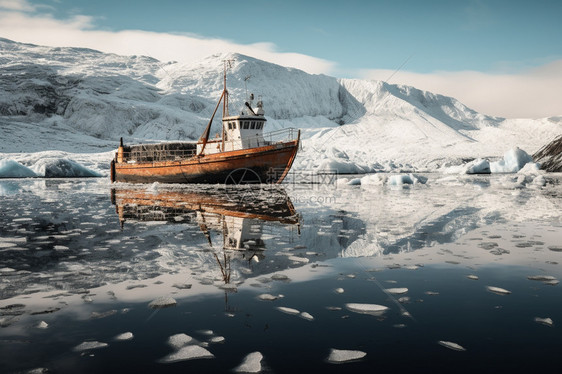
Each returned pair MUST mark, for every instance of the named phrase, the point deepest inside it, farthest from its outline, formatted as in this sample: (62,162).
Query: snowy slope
(80,100)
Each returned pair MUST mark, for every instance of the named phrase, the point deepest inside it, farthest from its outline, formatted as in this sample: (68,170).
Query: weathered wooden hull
(268,164)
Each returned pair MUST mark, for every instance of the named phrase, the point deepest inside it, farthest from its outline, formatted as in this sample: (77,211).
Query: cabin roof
(244,117)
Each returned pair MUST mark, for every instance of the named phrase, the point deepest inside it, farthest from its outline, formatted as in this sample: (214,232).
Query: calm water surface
(199,277)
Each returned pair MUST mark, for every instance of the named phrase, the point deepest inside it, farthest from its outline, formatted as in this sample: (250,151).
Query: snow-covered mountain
(81,100)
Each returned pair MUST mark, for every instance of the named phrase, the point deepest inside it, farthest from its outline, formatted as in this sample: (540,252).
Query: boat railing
(181,151)
(148,154)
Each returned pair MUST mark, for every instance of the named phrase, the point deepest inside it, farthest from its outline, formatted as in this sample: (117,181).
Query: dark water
(86,262)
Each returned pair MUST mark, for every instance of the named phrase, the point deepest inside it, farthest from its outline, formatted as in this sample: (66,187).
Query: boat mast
(205,136)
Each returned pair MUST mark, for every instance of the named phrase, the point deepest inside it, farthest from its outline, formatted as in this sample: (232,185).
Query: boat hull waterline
(267,164)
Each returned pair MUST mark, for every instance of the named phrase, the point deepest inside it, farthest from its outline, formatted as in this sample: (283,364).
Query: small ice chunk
(541,277)
(279,277)
(269,297)
(498,290)
(42,325)
(217,339)
(339,290)
(189,352)
(206,332)
(472,276)
(553,282)
(287,310)
(544,321)
(162,302)
(86,346)
(373,309)
(397,291)
(250,364)
(338,356)
(303,260)
(431,293)
(124,336)
(307,316)
(451,345)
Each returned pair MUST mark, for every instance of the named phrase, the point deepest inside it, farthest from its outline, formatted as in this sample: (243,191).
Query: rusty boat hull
(266,164)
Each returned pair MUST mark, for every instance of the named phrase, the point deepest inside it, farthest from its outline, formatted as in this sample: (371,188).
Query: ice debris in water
(190,352)
(472,276)
(307,316)
(544,321)
(279,277)
(287,310)
(397,291)
(542,278)
(86,346)
(250,364)
(337,356)
(373,309)
(179,340)
(124,336)
(339,290)
(498,290)
(451,345)
(217,339)
(162,302)
(269,297)
(42,325)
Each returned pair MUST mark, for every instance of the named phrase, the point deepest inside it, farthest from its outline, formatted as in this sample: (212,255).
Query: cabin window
(230,125)
(234,125)
(253,125)
(258,126)
(245,124)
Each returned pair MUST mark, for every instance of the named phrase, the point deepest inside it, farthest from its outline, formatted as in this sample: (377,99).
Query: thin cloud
(17,5)
(534,93)
(79,31)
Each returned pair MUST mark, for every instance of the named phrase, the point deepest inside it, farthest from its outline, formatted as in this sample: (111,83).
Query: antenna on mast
(227,65)
(246,79)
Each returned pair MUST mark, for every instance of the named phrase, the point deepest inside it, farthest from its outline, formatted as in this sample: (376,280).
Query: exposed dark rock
(550,156)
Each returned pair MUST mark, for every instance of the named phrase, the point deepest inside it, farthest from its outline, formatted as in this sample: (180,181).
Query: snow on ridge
(354,126)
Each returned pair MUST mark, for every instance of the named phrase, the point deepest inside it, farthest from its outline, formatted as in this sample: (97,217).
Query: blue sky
(453,42)
(500,35)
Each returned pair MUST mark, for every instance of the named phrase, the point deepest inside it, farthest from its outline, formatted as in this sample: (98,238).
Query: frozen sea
(457,274)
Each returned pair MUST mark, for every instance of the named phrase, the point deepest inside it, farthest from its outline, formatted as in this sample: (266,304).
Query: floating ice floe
(339,290)
(42,325)
(544,321)
(250,364)
(13,169)
(472,276)
(162,302)
(279,277)
(306,316)
(498,290)
(217,339)
(451,345)
(373,309)
(190,352)
(397,291)
(288,310)
(179,340)
(269,297)
(86,346)
(124,336)
(338,356)
(431,293)
(542,278)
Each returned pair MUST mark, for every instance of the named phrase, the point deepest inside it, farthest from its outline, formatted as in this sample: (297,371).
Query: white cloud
(19,5)
(79,31)
(531,94)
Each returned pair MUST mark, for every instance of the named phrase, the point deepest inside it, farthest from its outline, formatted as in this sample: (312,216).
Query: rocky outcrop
(550,156)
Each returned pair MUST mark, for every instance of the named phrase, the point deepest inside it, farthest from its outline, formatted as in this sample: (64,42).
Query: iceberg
(341,355)
(513,161)
(62,168)
(13,169)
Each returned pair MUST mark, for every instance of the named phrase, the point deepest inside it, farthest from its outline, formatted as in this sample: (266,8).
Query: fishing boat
(242,153)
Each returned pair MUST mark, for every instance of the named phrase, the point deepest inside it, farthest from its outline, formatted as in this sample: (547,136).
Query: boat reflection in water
(237,213)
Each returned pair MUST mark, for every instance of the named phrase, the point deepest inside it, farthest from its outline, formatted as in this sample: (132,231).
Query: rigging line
(400,67)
